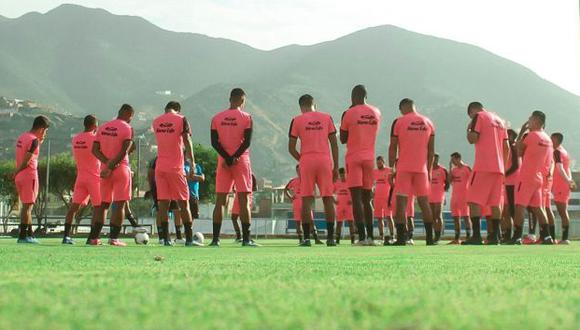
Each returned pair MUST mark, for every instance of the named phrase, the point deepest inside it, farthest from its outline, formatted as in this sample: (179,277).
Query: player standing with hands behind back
(318,143)
(172,134)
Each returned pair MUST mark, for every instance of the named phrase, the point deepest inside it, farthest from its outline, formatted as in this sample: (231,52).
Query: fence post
(46,188)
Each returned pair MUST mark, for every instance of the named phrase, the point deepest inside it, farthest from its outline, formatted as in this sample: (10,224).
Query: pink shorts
(529,193)
(382,209)
(459,207)
(27,187)
(236,206)
(360,174)
(117,187)
(239,174)
(316,171)
(412,184)
(344,213)
(171,186)
(485,188)
(85,188)
(561,194)
(437,197)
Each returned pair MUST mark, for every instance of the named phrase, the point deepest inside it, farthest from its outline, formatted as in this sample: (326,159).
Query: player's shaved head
(474,107)
(173,105)
(406,105)
(237,94)
(40,122)
(456,155)
(126,112)
(306,101)
(90,122)
(358,95)
(539,116)
(558,137)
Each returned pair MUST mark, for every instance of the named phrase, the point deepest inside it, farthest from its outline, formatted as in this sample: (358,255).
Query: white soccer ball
(198,237)
(142,238)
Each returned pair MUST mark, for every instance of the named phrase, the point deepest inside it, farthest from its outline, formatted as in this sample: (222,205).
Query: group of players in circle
(513,172)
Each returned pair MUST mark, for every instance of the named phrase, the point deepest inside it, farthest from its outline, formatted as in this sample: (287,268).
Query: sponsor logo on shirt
(165,128)
(110,131)
(80,145)
(229,121)
(367,120)
(418,125)
(314,126)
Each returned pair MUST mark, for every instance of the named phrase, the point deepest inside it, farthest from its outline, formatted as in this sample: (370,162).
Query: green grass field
(281,286)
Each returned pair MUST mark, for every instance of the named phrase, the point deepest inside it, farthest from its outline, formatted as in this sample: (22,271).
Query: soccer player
(488,133)
(231,137)
(563,183)
(236,210)
(112,145)
(343,206)
(318,158)
(87,183)
(358,130)
(535,147)
(459,179)
(381,198)
(511,179)
(439,185)
(412,149)
(172,134)
(26,175)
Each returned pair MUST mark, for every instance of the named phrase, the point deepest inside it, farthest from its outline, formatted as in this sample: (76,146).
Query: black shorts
(194,208)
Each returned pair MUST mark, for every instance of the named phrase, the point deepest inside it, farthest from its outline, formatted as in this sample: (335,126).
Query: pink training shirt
(294,185)
(561,156)
(382,185)
(313,129)
(169,129)
(27,142)
(414,131)
(111,136)
(362,124)
(342,192)
(460,180)
(489,147)
(88,166)
(230,125)
(539,149)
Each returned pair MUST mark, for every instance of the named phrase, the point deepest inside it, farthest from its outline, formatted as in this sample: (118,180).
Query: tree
(8,193)
(207,158)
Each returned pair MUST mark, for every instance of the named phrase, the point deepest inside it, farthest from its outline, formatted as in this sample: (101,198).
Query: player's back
(313,129)
(168,129)
(111,136)
(536,159)
(86,162)
(413,131)
(362,124)
(230,125)
(489,147)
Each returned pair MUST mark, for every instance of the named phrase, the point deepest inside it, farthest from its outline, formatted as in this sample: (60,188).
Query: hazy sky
(543,35)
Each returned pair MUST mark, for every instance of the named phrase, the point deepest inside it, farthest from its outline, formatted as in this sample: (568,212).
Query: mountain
(83,60)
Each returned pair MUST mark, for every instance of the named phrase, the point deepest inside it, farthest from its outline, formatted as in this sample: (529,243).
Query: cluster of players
(513,172)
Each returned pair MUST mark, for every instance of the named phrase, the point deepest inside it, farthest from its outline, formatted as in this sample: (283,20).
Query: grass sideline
(281,286)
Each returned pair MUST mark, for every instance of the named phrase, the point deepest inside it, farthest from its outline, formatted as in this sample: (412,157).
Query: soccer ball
(141,239)
(198,237)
